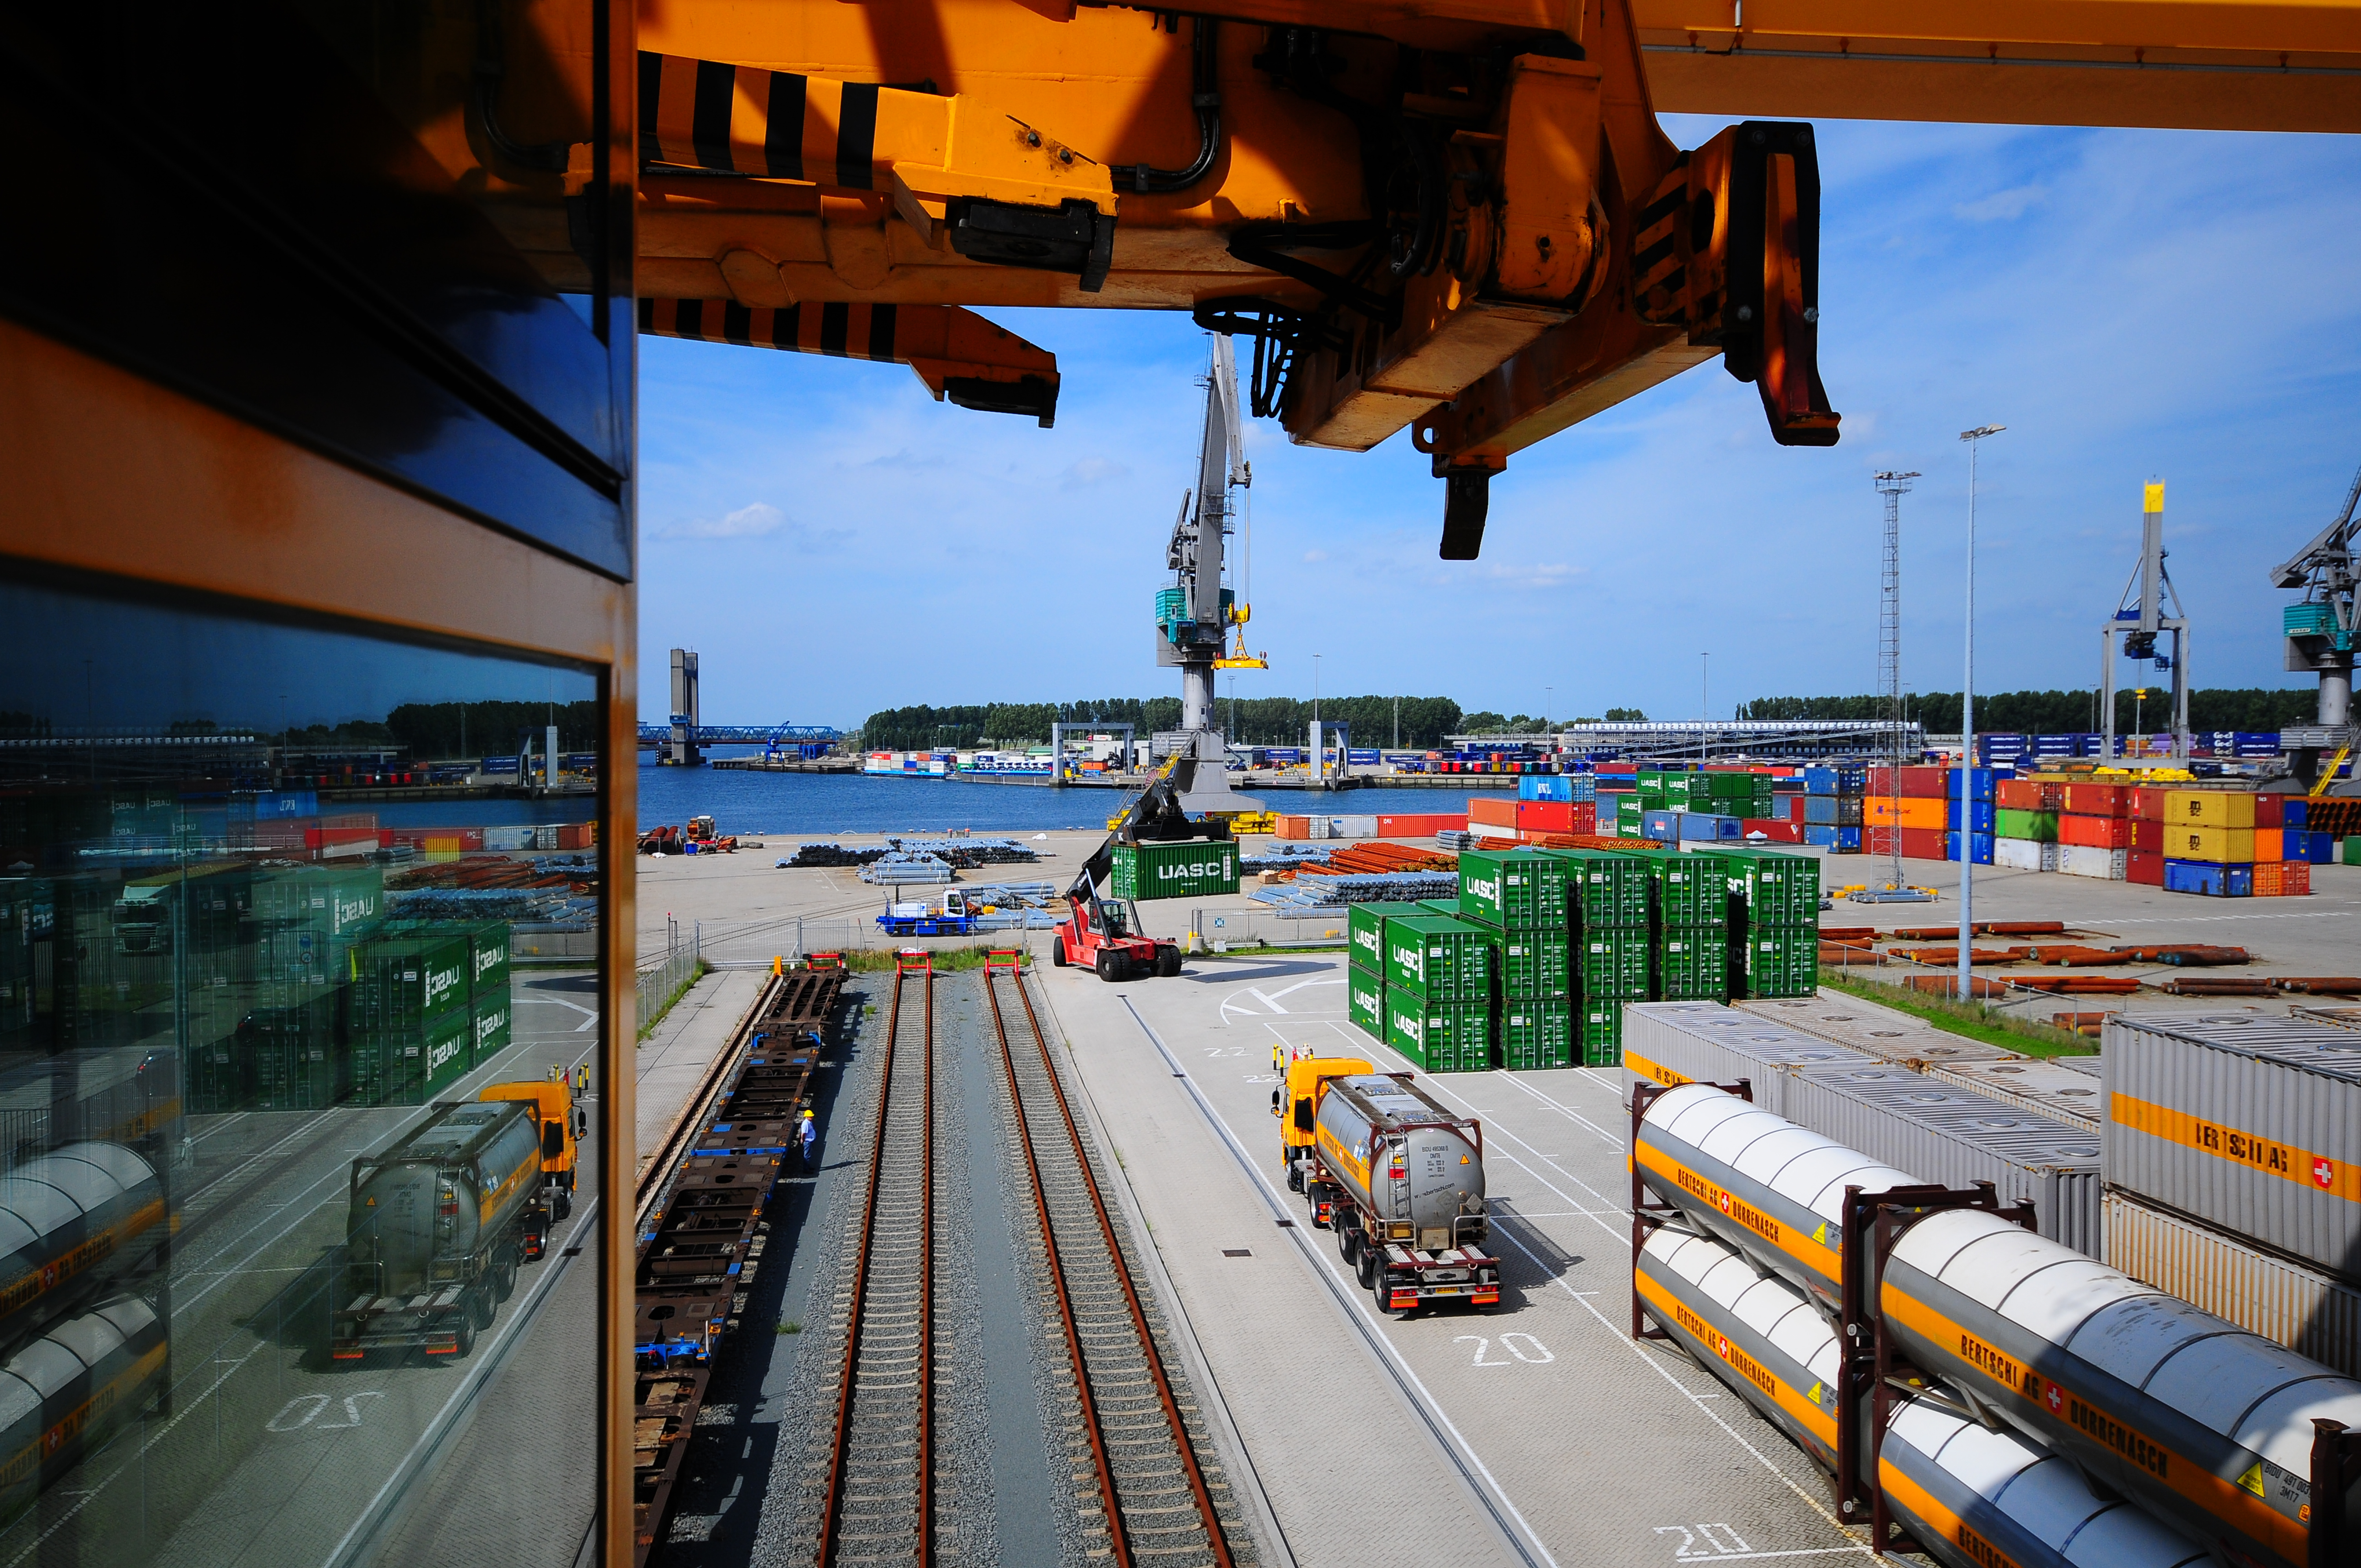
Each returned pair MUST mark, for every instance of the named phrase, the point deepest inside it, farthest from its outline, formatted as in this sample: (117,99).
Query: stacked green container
(1365,935)
(291,1049)
(1775,931)
(2041,827)
(1520,896)
(488,1002)
(1440,1036)
(1439,992)
(1690,924)
(1607,893)
(1195,867)
(1627,809)
(1365,1001)
(409,1005)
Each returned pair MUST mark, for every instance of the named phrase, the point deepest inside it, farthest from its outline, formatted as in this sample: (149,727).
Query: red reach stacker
(1104,934)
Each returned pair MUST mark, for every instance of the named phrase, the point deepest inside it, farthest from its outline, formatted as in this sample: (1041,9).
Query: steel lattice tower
(1892,486)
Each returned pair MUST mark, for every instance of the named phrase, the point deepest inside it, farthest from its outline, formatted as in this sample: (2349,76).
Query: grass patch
(790,1327)
(648,1025)
(869,960)
(1970,1019)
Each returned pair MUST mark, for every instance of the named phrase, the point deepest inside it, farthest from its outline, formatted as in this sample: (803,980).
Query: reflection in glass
(299,1008)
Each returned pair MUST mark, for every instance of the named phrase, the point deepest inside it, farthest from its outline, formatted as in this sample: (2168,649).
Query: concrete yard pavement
(671,1062)
(1538,1432)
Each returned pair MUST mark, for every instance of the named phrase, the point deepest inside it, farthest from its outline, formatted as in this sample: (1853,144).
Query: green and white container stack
(1688,958)
(1775,924)
(1519,898)
(1364,978)
(413,1029)
(1607,900)
(1439,992)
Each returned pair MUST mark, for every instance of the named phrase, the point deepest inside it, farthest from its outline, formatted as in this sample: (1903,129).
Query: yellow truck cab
(563,1126)
(1297,1104)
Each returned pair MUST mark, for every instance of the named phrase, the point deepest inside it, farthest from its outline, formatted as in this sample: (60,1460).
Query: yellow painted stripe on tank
(1822,1260)
(2225,1500)
(2305,1167)
(93,1250)
(1672,1310)
(1926,1510)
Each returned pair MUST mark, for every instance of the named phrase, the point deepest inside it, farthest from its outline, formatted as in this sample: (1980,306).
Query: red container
(574,835)
(2270,808)
(1878,841)
(2098,832)
(1772,830)
(1545,817)
(2146,867)
(2096,800)
(1419,825)
(1500,810)
(2146,803)
(2149,833)
(1787,807)
(1922,843)
(2295,877)
(1925,784)
(2017,794)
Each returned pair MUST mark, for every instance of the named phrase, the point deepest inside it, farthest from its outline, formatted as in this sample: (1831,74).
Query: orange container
(2095,800)
(1910,811)
(2098,832)
(1500,810)
(2269,846)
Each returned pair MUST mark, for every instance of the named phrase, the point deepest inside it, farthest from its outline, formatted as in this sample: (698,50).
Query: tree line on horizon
(2060,712)
(1249,722)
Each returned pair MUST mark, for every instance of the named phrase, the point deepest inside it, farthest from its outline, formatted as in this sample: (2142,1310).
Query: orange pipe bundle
(2079,984)
(2077,957)
(2319,984)
(1949,957)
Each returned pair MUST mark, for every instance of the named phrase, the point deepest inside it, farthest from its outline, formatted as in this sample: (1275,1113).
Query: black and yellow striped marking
(742,119)
(839,330)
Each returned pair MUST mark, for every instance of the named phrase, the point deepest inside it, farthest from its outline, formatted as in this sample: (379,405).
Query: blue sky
(2133,305)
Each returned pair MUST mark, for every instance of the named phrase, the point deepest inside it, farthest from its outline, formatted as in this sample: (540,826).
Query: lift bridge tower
(1194,614)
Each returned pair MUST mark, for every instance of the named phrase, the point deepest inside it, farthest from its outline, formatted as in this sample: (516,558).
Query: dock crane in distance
(2319,632)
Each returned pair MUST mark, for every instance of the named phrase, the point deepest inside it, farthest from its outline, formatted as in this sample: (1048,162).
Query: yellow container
(2221,846)
(2209,809)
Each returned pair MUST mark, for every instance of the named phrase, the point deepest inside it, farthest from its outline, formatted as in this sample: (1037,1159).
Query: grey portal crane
(2319,632)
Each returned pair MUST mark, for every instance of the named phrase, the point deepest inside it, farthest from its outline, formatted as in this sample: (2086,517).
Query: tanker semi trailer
(439,1224)
(1399,1178)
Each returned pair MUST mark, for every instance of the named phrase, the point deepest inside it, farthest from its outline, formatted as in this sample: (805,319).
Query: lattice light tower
(1892,486)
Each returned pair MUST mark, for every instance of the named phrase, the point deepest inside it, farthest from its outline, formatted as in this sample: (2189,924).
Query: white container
(1352,827)
(2311,1313)
(507,837)
(2036,1085)
(2025,855)
(2087,859)
(1673,1043)
(1884,1033)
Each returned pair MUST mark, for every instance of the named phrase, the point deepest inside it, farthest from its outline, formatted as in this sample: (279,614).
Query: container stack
(1834,810)
(1775,924)
(2230,1176)
(1364,947)
(1439,992)
(2204,840)
(1688,953)
(286,1051)
(1519,898)
(2094,829)
(2025,823)
(1607,898)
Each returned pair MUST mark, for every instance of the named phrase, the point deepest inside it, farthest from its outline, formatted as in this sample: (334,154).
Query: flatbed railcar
(701,1248)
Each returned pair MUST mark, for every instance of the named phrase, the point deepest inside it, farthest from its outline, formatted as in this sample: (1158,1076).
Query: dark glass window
(299,1021)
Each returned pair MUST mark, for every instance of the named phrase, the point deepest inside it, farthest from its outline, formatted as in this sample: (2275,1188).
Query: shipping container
(1957,1137)
(2306,1310)
(1536,1035)
(1922,844)
(2207,877)
(2084,860)
(1443,961)
(1687,889)
(2210,808)
(2288,879)
(1365,1000)
(2085,797)
(1606,888)
(1885,1033)
(2250,1121)
(1779,889)
(2023,855)
(1612,964)
(1524,888)
(2143,868)
(1770,830)
(1691,964)
(1198,868)
(1878,811)
(1780,962)
(1533,965)
(1980,813)
(1439,1037)
(1701,1042)
(2269,810)
(1498,810)
(492,1011)
(398,983)
(1981,844)
(1599,1031)
(1364,939)
(2096,832)
(2033,1084)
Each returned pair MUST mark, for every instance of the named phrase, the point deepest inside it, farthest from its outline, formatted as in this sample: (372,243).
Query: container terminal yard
(462,1103)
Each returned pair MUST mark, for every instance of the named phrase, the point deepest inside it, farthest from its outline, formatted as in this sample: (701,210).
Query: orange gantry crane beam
(1453,217)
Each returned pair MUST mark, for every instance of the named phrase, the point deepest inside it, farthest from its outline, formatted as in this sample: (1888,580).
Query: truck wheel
(465,1340)
(476,1308)
(1168,962)
(1348,1243)
(1312,1193)
(1367,1270)
(1056,952)
(1106,965)
(504,1273)
(1295,1176)
(1379,1287)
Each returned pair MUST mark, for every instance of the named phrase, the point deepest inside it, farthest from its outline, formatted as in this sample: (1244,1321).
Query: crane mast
(1194,615)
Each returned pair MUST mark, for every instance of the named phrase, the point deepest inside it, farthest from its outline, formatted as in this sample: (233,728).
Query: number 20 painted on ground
(1533,1352)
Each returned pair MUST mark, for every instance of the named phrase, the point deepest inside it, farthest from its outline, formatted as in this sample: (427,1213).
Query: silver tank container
(482,1158)
(1405,1158)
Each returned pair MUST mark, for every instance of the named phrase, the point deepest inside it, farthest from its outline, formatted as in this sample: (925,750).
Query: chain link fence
(662,982)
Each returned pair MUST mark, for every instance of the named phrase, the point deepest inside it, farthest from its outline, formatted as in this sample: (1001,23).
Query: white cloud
(1315,554)
(1091,471)
(747,523)
(2001,206)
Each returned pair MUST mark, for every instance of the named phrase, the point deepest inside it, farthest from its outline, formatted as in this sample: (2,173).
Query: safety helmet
(807,1115)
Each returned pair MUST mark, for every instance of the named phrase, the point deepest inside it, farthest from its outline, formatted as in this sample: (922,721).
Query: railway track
(1142,1495)
(879,1505)
(700,1230)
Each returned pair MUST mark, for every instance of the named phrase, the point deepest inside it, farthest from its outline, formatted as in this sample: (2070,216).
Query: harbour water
(817,805)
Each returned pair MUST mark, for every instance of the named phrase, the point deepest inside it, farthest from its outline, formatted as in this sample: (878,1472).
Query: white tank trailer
(2207,1427)
(1402,1178)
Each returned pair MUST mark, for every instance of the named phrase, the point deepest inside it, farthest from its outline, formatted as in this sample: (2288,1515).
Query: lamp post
(1705,704)
(1967,729)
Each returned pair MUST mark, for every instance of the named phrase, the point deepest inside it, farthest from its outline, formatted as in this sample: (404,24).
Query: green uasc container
(400,982)
(1514,887)
(487,958)
(1439,1037)
(1536,1035)
(1364,933)
(1779,889)
(1534,965)
(1609,889)
(2041,827)
(1365,1001)
(492,1011)
(1192,868)
(1628,809)
(1442,961)
(1612,965)
(1598,1033)
(1688,889)
(335,902)
(1784,962)
(1692,964)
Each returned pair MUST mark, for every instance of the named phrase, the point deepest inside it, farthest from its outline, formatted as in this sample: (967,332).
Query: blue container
(1980,811)
(1556,787)
(1853,778)
(1848,841)
(2258,738)
(1698,827)
(1820,810)
(1980,784)
(2320,849)
(1361,759)
(1819,781)
(2292,810)
(1980,842)
(1663,826)
(1823,834)
(2205,877)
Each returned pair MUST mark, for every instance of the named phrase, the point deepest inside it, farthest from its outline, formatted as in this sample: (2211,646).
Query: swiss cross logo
(49,1276)
(1725,1203)
(2323,1172)
(1721,1347)
(2057,1398)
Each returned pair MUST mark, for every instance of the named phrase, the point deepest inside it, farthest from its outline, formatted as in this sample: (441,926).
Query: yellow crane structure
(1455,217)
